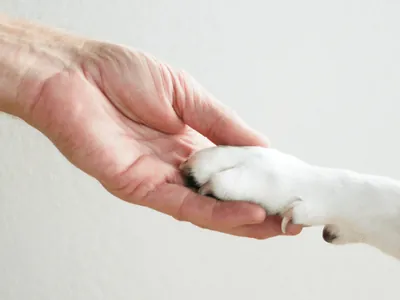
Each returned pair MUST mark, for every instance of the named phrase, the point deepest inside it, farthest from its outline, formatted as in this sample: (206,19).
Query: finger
(202,112)
(185,205)
(271,227)
(236,218)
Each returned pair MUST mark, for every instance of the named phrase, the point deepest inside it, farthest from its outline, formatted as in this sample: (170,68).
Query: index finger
(202,112)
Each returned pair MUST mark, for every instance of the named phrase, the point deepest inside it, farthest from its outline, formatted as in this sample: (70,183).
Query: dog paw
(278,182)
(352,207)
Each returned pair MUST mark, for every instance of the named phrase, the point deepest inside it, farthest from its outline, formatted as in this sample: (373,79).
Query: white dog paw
(276,181)
(353,207)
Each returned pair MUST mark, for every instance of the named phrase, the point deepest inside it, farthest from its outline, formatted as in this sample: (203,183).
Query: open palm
(129,121)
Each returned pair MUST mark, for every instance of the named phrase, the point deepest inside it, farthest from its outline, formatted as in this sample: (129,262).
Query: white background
(320,78)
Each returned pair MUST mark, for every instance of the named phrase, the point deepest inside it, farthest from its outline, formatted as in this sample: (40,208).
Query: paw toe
(190,181)
(329,235)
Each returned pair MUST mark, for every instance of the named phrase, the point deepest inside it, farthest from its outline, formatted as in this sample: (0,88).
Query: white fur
(356,208)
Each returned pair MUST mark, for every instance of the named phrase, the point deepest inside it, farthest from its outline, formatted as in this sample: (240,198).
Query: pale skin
(126,119)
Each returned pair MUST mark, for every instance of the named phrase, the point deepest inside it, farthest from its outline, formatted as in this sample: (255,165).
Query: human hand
(129,120)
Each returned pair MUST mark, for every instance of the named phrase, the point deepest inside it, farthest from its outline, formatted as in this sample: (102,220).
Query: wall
(320,78)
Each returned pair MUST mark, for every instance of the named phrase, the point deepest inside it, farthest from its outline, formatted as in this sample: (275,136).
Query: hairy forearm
(29,55)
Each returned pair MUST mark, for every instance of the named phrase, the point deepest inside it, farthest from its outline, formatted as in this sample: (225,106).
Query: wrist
(29,55)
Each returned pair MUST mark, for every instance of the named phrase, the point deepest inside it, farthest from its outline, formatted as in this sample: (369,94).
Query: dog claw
(287,217)
(205,189)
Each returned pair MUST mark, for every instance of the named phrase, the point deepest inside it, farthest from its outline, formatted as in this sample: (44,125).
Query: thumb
(201,111)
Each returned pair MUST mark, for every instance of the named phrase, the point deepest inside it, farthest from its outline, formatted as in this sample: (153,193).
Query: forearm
(29,55)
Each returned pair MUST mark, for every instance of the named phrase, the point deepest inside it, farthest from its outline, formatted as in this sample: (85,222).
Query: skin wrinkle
(92,79)
(120,105)
(117,104)
(166,80)
(159,92)
(144,184)
(177,161)
(165,93)
(103,87)
(117,177)
(186,216)
(164,206)
(176,91)
(178,101)
(179,215)
(30,108)
(259,232)
(197,103)
(210,131)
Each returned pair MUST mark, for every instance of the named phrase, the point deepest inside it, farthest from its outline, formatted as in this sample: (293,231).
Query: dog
(352,207)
